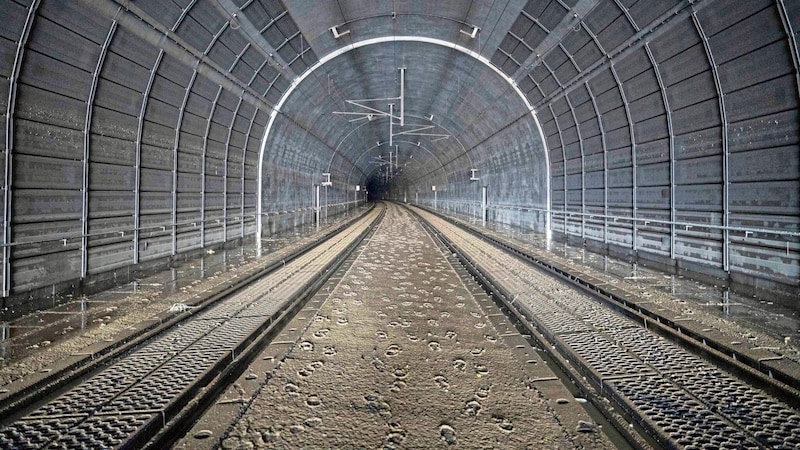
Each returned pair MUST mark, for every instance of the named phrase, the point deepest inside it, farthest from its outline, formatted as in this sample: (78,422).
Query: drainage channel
(144,393)
(678,398)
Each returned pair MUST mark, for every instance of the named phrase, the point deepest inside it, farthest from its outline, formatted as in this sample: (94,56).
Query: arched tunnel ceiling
(460,101)
(136,129)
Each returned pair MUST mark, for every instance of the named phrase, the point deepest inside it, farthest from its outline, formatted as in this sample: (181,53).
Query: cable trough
(148,395)
(678,398)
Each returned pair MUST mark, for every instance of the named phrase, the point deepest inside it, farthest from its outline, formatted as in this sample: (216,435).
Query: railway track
(676,398)
(145,392)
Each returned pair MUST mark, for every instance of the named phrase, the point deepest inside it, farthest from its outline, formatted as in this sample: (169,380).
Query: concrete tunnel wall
(132,129)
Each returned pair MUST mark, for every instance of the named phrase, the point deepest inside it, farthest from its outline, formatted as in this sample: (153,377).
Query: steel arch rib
(724,129)
(7,180)
(367,42)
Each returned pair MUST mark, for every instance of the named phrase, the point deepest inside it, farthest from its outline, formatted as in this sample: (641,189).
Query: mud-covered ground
(401,355)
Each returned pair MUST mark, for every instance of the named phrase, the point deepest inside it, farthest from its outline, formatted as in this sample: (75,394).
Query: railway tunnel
(142,136)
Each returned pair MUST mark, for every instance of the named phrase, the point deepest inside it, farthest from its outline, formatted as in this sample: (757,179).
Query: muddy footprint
(321,333)
(396,434)
(313,401)
(447,434)
(483,392)
(306,346)
(400,373)
(313,422)
(472,407)
(503,423)
(459,364)
(441,380)
(291,389)
(393,350)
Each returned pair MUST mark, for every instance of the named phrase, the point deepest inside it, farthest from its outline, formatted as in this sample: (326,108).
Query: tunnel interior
(139,132)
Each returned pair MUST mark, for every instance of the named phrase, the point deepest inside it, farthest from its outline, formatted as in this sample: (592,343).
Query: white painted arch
(366,42)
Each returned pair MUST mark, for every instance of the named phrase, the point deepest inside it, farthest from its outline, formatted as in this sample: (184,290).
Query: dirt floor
(401,355)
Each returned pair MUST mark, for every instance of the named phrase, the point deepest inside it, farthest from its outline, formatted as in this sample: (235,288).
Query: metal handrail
(686,225)
(121,233)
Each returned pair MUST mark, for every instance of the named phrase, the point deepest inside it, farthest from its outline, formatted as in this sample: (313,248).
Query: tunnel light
(234,22)
(472,34)
(337,34)
(473,176)
(326,180)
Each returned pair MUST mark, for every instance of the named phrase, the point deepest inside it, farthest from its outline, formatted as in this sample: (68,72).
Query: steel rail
(676,373)
(22,395)
(562,366)
(784,384)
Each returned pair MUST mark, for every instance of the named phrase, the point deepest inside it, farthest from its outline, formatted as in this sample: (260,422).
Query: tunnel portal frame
(405,38)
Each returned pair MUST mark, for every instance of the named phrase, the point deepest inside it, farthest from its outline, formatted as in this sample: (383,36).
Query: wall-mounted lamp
(577,26)
(337,34)
(234,22)
(326,180)
(472,34)
(473,176)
